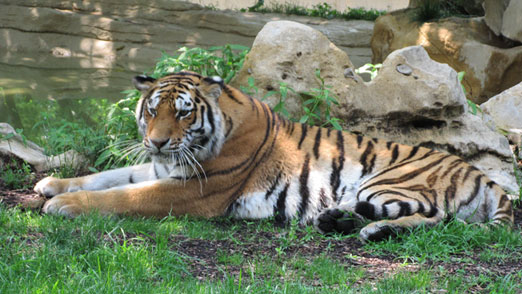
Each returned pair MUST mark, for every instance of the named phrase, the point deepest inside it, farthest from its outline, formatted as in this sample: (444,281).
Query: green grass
(447,240)
(323,10)
(92,254)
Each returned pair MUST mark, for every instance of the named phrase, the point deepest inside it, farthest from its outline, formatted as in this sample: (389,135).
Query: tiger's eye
(183,112)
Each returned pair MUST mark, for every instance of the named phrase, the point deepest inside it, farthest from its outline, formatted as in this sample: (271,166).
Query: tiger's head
(178,116)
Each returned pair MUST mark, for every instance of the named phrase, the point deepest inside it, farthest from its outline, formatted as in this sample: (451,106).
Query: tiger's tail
(501,207)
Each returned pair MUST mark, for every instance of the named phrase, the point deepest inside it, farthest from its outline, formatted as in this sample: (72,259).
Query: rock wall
(77,49)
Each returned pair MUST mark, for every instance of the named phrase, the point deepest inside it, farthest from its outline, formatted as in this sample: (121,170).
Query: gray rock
(290,52)
(33,154)
(506,108)
(503,18)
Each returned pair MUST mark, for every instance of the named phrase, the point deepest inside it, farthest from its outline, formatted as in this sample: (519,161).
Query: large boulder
(491,64)
(505,111)
(506,108)
(503,17)
(290,52)
(14,145)
(413,100)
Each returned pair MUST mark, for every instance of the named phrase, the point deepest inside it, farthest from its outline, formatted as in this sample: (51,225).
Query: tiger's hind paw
(336,220)
(378,231)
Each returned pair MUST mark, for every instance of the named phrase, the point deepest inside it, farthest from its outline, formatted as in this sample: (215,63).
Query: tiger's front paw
(68,204)
(335,220)
(51,186)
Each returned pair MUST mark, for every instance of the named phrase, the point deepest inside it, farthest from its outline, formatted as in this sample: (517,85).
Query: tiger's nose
(159,143)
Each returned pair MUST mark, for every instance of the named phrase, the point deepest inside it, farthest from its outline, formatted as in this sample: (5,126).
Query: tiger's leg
(402,211)
(51,186)
(157,198)
(380,230)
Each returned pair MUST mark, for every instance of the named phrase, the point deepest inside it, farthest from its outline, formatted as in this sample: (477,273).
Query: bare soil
(204,254)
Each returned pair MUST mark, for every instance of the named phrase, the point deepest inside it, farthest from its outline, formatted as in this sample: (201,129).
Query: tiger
(215,151)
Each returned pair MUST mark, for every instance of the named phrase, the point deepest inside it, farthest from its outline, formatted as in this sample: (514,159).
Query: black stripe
(317,143)
(468,172)
(274,185)
(290,128)
(279,209)
(337,167)
(303,186)
(359,141)
(388,145)
(230,127)
(304,129)
(364,159)
(395,154)
(405,209)
(503,200)
(389,169)
(328,132)
(405,177)
(476,189)
(131,179)
(210,117)
(412,153)
(451,167)
(380,192)
(231,95)
(248,161)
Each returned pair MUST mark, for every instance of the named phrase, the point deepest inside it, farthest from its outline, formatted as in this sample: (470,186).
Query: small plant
(15,175)
(251,89)
(8,136)
(280,107)
(473,107)
(222,61)
(371,69)
(317,101)
(323,10)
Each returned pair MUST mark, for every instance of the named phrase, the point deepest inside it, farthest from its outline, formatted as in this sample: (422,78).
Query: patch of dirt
(25,198)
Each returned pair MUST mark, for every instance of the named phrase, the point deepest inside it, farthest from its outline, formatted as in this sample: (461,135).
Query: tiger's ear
(211,86)
(143,82)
